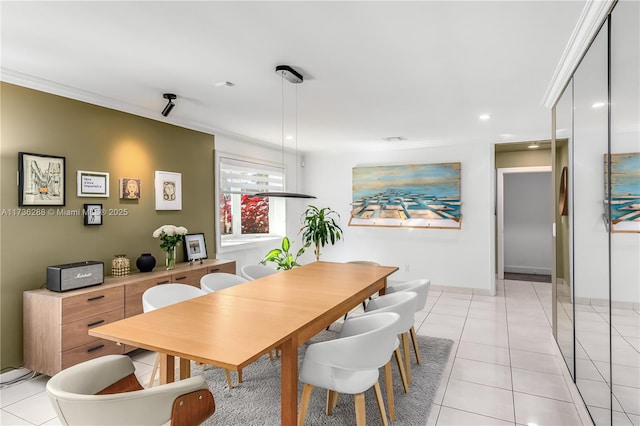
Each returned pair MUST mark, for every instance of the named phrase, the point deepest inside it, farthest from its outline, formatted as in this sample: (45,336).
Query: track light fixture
(167,109)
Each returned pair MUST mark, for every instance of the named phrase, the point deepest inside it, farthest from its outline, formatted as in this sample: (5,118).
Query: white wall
(458,258)
(527,223)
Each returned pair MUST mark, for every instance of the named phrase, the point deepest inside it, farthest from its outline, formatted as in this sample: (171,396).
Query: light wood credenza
(56,325)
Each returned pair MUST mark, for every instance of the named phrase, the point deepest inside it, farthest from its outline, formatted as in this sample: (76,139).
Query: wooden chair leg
(240,375)
(304,403)
(271,355)
(361,414)
(156,364)
(388,381)
(403,374)
(332,401)
(414,339)
(407,361)
(229,382)
(383,414)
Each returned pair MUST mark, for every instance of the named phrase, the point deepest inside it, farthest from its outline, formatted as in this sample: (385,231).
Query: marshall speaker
(76,275)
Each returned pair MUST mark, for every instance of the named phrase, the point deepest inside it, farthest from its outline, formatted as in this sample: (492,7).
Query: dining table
(233,327)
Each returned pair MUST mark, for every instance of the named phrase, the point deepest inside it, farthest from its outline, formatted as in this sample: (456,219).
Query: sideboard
(56,324)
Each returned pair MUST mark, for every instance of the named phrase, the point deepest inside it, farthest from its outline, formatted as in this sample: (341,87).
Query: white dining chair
(421,287)
(253,272)
(364,262)
(220,280)
(350,363)
(105,391)
(403,304)
(163,295)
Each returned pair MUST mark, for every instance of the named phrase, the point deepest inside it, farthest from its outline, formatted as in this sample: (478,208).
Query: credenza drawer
(89,351)
(187,277)
(87,304)
(229,268)
(77,333)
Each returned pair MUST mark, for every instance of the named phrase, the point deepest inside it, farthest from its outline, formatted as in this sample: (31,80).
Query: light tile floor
(505,367)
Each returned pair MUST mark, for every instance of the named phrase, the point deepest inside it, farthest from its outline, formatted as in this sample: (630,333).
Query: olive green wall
(96,139)
(529,158)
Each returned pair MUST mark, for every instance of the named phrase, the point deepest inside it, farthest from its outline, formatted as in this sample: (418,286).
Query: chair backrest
(402,303)
(365,342)
(420,286)
(87,394)
(253,272)
(163,295)
(219,280)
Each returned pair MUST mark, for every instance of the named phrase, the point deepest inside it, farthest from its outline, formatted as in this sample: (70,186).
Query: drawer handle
(93,324)
(163,282)
(181,278)
(212,270)
(95,348)
(93,299)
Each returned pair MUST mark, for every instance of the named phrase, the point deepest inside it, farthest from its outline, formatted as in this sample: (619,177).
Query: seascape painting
(413,196)
(625,191)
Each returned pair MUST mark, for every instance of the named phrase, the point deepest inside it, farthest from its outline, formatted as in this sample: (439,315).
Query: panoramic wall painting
(412,196)
(625,191)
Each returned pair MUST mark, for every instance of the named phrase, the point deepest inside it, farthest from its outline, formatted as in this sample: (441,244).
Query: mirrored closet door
(597,245)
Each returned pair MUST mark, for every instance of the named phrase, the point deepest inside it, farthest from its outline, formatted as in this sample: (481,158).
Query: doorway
(524,224)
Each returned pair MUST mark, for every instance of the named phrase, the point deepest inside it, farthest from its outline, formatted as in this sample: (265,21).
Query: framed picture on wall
(168,187)
(41,180)
(93,184)
(194,247)
(92,214)
(130,188)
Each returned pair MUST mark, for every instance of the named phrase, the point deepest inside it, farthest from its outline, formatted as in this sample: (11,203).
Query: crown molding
(593,15)
(47,86)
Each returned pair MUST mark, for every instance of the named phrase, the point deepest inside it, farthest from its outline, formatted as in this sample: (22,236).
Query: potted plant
(282,257)
(319,227)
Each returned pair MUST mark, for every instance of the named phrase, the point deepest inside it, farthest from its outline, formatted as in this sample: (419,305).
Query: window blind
(245,177)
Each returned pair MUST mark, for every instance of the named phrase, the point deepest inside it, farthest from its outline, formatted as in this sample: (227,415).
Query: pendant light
(293,76)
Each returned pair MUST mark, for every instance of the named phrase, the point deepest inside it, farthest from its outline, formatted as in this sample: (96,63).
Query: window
(242,217)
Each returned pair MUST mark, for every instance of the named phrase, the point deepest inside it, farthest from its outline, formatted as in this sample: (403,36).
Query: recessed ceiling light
(485,117)
(598,105)
(394,139)
(289,137)
(506,135)
(533,146)
(224,84)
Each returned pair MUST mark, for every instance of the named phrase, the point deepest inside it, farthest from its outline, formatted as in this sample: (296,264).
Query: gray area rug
(256,401)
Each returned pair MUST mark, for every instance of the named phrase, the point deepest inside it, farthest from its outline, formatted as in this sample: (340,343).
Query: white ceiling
(424,70)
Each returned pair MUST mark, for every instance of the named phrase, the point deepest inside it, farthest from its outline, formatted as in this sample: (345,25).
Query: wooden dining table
(233,327)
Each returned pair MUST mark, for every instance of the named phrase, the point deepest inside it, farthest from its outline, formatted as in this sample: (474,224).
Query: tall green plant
(282,257)
(319,227)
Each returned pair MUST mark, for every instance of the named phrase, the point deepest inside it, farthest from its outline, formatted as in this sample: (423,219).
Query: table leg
(185,368)
(289,383)
(167,367)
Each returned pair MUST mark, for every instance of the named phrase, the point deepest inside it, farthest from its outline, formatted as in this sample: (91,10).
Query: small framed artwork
(92,214)
(194,247)
(168,186)
(93,184)
(130,189)
(41,180)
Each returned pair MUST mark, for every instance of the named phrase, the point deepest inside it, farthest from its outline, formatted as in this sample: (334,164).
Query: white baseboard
(13,374)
